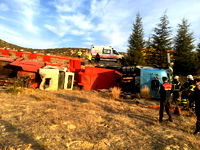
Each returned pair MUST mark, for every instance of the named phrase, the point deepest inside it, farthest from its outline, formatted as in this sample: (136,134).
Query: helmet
(190,77)
(176,77)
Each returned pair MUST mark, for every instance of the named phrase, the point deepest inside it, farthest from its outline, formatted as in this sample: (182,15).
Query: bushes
(116,91)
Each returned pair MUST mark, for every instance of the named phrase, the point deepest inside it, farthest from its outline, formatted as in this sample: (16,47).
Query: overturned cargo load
(54,78)
(143,80)
(99,78)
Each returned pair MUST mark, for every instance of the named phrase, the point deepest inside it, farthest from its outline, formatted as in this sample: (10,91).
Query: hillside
(54,51)
(85,120)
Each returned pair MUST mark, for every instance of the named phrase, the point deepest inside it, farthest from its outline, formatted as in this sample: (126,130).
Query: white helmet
(176,77)
(190,77)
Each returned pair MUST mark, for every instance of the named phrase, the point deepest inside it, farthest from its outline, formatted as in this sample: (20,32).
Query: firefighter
(186,91)
(176,88)
(192,89)
(79,53)
(196,100)
(165,96)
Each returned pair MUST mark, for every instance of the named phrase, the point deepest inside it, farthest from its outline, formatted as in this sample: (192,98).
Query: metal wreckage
(53,72)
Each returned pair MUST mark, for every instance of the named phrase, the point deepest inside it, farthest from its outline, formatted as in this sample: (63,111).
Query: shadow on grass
(22,136)
(143,117)
(104,94)
(156,139)
(147,119)
(72,98)
(35,97)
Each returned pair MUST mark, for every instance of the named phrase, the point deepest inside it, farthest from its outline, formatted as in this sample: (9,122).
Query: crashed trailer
(143,79)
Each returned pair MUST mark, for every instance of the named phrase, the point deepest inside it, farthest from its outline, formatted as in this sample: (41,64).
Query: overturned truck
(51,72)
(143,80)
(37,70)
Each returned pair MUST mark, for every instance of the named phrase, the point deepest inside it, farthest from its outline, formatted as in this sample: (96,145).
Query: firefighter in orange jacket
(165,97)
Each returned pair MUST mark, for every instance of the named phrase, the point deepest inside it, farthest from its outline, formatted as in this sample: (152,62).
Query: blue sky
(81,23)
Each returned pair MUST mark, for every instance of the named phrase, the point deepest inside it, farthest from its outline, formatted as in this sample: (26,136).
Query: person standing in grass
(186,92)
(196,98)
(176,88)
(165,97)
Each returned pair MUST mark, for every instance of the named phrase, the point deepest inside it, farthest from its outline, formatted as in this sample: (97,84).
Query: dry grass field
(87,120)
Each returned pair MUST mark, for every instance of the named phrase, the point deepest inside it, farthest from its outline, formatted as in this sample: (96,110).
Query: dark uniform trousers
(196,98)
(197,111)
(164,105)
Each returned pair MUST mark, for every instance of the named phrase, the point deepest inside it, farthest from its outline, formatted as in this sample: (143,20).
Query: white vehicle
(106,53)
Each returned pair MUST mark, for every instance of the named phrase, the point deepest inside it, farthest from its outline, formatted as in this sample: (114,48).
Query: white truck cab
(106,53)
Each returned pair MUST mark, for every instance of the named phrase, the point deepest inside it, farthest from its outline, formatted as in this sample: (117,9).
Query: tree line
(184,54)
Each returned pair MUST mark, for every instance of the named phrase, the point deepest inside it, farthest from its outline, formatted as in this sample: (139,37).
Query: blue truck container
(151,78)
(144,80)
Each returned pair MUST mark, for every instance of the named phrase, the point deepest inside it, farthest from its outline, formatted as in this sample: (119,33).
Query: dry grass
(60,120)
(145,92)
(116,91)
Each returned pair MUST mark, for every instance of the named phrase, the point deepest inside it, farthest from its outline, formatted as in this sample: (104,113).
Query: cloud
(87,44)
(104,22)
(5,30)
(14,37)
(11,35)
(89,38)
(86,22)
(73,23)
(67,5)
(62,30)
(4,18)
(28,11)
(3,7)
(78,20)
(113,26)
(53,29)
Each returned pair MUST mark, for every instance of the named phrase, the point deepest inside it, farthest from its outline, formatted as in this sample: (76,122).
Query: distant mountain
(53,51)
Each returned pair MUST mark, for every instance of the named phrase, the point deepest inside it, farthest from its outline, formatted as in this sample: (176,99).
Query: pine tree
(198,52)
(149,52)
(161,41)
(197,60)
(148,43)
(198,48)
(184,58)
(136,43)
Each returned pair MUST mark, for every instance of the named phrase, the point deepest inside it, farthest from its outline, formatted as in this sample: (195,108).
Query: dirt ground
(85,120)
